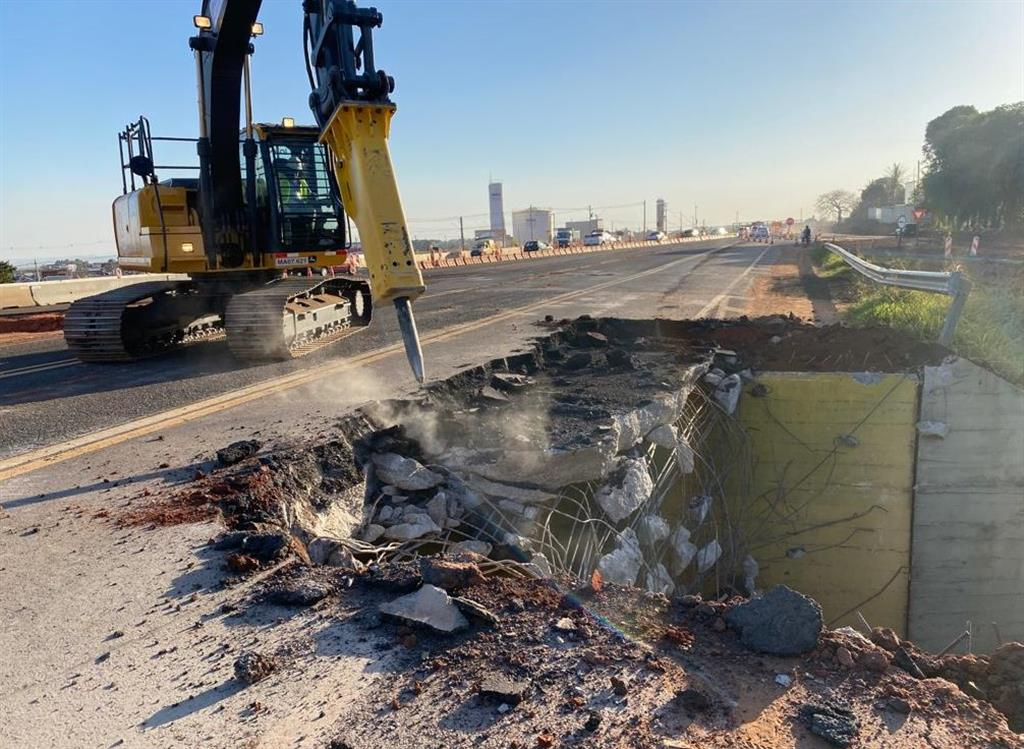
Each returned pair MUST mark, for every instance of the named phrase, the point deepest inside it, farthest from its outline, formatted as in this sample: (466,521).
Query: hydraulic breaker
(357,134)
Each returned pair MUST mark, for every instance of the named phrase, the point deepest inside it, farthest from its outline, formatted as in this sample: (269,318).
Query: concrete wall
(46,293)
(968,551)
(829,515)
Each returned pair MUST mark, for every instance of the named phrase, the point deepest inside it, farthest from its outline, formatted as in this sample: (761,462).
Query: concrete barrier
(47,293)
(15,295)
(459,259)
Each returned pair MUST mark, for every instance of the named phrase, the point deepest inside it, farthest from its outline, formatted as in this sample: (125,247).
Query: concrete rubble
(553,660)
(512,524)
(577,439)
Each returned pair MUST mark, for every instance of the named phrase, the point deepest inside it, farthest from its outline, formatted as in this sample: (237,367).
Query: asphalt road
(46,396)
(81,442)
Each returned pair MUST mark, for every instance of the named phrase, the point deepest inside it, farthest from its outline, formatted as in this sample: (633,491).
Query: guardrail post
(960,287)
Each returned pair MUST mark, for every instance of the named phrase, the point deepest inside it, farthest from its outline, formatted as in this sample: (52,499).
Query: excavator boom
(351,104)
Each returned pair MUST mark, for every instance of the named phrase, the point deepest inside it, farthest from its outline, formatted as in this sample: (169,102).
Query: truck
(565,237)
(484,246)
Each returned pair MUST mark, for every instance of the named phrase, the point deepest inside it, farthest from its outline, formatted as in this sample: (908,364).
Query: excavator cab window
(306,200)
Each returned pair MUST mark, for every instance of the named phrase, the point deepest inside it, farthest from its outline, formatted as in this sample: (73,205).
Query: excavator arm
(351,103)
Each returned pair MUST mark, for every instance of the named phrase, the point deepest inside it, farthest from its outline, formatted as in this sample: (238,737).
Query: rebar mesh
(570,534)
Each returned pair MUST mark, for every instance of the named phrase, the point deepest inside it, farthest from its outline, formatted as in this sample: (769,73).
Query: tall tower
(497,210)
(662,214)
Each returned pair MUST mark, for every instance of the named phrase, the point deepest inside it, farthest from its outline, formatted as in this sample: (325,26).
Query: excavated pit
(608,446)
(603,458)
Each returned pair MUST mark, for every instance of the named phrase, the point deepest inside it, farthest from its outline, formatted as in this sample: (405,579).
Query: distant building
(585,227)
(662,215)
(497,204)
(533,224)
(890,214)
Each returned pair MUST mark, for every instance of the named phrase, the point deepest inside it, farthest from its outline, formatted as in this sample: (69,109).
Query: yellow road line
(47,456)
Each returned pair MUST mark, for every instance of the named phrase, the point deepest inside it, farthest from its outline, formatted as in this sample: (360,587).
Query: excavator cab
(299,220)
(299,209)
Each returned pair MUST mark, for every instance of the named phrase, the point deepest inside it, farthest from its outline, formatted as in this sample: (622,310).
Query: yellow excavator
(262,226)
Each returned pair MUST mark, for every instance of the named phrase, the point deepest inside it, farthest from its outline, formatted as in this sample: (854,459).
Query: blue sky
(748,107)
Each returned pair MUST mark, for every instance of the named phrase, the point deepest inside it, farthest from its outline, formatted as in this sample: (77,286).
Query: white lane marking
(36,368)
(728,289)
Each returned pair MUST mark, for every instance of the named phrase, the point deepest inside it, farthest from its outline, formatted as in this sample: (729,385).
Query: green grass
(990,331)
(828,263)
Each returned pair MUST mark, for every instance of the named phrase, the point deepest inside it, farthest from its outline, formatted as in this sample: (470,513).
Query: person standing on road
(805,235)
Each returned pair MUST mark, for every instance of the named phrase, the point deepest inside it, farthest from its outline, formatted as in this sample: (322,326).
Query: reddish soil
(193,506)
(781,291)
(20,328)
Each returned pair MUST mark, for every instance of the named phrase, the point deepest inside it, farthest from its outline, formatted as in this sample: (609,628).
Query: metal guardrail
(951,284)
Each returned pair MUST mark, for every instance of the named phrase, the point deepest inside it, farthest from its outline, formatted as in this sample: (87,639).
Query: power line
(15,248)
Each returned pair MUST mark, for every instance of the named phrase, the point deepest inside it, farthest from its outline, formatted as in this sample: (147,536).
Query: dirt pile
(558,663)
(997,678)
(779,343)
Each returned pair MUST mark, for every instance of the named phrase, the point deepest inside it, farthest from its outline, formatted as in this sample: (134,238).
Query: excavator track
(292,317)
(138,321)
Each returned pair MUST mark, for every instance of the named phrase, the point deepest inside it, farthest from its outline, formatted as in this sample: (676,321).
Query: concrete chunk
(629,487)
(429,606)
(683,551)
(405,473)
(652,530)
(622,565)
(419,525)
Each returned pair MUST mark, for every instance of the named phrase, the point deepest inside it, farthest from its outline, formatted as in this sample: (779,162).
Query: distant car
(598,237)
(655,236)
(483,247)
(533,245)
(760,234)
(687,233)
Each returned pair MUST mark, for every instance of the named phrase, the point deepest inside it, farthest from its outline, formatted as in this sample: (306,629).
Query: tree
(894,183)
(974,170)
(836,201)
(6,272)
(876,194)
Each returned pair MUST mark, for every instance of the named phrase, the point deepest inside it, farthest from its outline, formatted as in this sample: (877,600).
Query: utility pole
(694,215)
(36,264)
(590,210)
(462,233)
(645,217)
